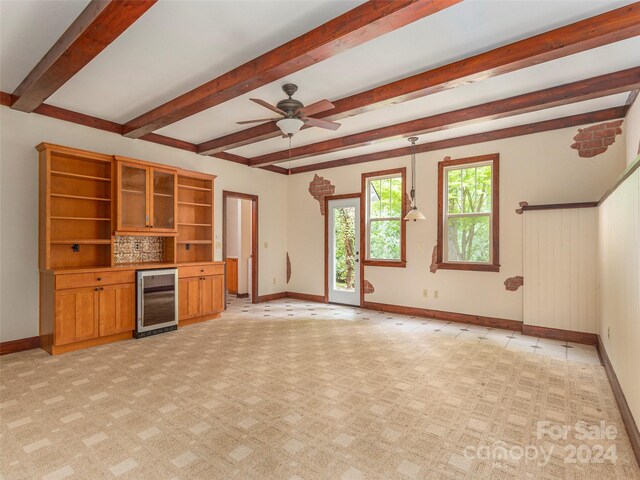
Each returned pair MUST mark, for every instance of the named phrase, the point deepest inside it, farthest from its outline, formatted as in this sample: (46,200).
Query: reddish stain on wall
(320,188)
(513,283)
(594,140)
(368,287)
(433,268)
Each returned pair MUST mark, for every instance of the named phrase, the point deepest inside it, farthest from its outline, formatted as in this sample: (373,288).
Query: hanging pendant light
(413,214)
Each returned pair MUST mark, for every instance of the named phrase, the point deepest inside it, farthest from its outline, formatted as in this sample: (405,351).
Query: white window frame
(446,215)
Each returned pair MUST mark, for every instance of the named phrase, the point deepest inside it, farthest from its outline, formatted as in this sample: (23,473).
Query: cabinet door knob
(97,289)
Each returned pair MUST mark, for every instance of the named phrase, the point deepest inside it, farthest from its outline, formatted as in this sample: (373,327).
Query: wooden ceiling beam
(609,27)
(555,124)
(99,24)
(355,27)
(94,122)
(603,85)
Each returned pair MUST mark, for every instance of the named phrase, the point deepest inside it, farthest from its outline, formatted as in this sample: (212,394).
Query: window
(468,214)
(384,205)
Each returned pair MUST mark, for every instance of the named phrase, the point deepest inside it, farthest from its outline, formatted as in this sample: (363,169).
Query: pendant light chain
(413,214)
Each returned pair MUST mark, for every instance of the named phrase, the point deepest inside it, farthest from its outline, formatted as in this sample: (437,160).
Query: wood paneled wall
(619,277)
(559,265)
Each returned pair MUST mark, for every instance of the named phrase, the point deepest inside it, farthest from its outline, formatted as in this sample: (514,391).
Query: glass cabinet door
(133,188)
(164,188)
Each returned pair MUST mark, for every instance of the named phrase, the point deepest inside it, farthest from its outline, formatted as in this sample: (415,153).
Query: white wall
(233,230)
(21,132)
(245,245)
(632,132)
(559,266)
(539,168)
(619,277)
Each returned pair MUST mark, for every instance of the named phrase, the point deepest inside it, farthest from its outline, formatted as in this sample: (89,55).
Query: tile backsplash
(138,249)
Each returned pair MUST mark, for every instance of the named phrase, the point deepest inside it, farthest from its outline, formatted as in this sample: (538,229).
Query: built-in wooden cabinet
(92,312)
(232,275)
(76,204)
(76,315)
(147,198)
(116,312)
(200,291)
(86,200)
(195,217)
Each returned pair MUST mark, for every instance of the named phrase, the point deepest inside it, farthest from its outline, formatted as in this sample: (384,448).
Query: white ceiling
(487,126)
(178,45)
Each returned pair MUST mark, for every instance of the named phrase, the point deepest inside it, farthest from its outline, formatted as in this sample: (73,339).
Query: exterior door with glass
(344,251)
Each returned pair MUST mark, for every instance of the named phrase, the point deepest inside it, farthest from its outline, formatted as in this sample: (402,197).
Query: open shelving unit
(195,217)
(77,198)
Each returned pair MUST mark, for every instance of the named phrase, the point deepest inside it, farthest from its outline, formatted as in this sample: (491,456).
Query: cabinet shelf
(195,242)
(79,197)
(97,219)
(162,195)
(195,204)
(79,176)
(191,187)
(82,242)
(194,224)
(137,192)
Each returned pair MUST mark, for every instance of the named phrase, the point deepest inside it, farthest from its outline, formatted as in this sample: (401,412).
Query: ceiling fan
(294,113)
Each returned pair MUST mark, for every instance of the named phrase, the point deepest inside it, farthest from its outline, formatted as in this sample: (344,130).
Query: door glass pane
(344,235)
(163,190)
(469,239)
(134,197)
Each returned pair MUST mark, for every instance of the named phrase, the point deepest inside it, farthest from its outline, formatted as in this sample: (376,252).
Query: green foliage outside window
(385,216)
(469,206)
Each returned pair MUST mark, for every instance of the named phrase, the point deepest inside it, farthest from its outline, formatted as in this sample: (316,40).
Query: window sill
(385,263)
(468,266)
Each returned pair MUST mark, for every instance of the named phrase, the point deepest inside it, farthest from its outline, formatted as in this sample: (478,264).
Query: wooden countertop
(126,266)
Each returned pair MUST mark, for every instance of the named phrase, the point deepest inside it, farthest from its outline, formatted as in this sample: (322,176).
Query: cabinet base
(56,350)
(189,321)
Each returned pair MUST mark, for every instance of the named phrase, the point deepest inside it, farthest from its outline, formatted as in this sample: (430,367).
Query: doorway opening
(342,249)
(240,244)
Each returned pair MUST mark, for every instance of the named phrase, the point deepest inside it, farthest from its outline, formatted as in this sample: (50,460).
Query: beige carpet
(290,390)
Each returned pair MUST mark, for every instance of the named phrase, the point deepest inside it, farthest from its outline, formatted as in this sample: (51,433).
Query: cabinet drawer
(200,270)
(78,280)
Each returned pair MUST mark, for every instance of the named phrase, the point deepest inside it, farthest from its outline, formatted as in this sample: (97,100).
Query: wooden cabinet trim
(200,270)
(79,280)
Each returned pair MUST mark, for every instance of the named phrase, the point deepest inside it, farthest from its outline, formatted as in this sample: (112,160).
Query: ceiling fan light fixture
(290,126)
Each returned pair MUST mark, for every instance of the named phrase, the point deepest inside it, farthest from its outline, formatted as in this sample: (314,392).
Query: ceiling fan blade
(267,105)
(316,122)
(321,106)
(261,120)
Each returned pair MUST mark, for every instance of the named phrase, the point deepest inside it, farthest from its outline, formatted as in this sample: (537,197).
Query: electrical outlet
(274,280)
(421,247)
(425,293)
(435,294)
(218,245)
(266,245)
(609,333)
